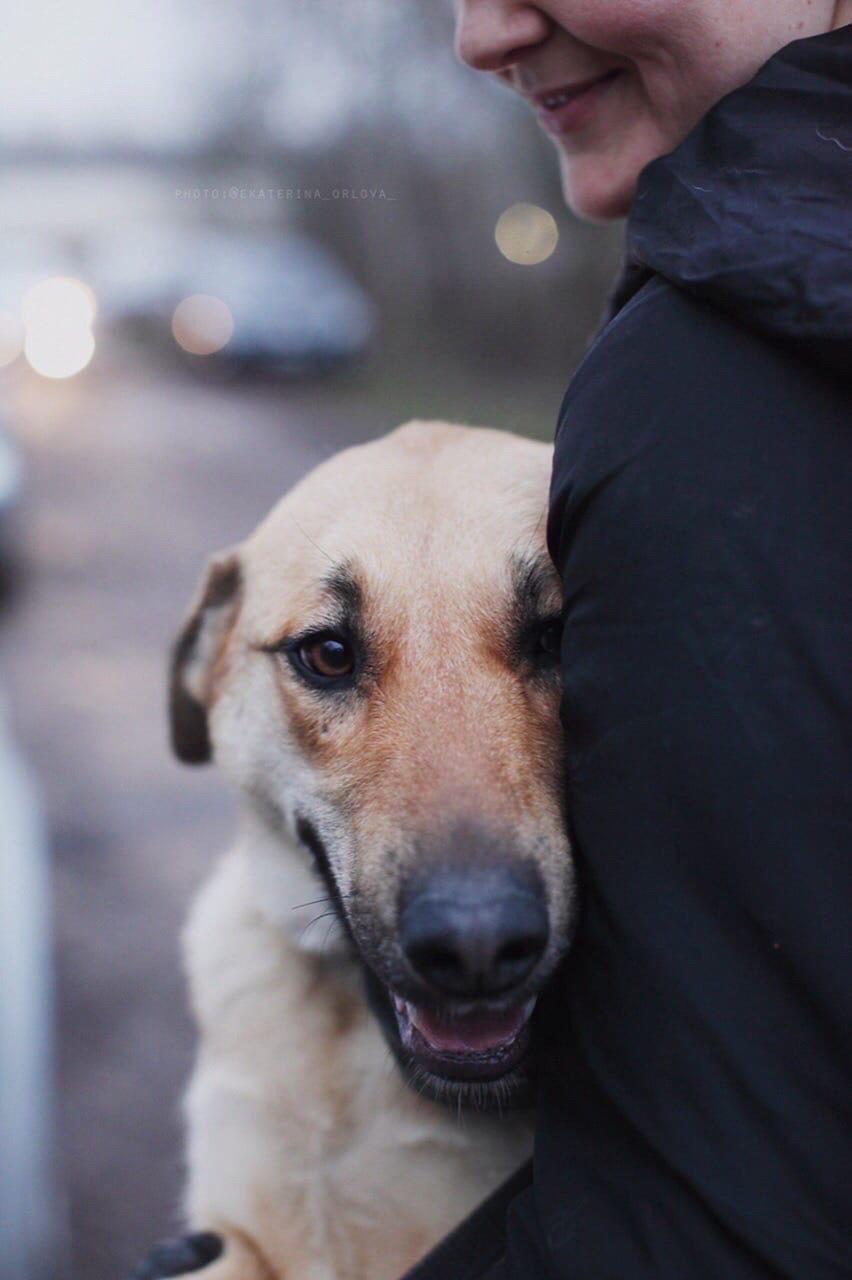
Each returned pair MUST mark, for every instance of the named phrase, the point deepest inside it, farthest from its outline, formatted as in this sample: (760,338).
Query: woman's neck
(842,14)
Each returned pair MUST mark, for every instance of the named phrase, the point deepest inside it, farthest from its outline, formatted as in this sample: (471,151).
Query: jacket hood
(753,211)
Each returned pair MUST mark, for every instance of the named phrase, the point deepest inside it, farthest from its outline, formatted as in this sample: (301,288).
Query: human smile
(566,108)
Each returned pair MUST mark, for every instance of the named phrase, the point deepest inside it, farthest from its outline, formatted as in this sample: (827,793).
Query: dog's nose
(474,933)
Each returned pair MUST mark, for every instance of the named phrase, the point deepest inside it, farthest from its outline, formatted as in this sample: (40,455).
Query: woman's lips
(571,107)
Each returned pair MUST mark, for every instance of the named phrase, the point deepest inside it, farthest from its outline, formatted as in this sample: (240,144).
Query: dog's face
(377,668)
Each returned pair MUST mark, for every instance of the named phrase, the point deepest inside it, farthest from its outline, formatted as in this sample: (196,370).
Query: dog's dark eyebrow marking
(345,590)
(535,587)
(346,600)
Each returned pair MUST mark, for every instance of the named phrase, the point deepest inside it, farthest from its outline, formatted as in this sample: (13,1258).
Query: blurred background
(236,236)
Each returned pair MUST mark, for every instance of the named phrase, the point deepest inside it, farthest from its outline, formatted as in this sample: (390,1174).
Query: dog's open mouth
(480,1055)
(477,1047)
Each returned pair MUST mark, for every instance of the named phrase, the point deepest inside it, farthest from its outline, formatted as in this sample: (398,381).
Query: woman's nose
(492,34)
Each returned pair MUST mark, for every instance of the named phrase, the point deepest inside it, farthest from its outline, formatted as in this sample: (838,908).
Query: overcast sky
(96,70)
(154,72)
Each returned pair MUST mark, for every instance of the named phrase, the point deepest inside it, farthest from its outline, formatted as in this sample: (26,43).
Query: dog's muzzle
(472,942)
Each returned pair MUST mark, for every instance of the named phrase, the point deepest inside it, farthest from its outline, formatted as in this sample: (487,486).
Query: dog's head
(377,669)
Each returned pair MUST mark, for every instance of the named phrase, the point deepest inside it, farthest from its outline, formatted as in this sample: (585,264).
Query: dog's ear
(195,654)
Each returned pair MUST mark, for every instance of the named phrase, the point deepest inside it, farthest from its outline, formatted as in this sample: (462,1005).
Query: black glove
(174,1257)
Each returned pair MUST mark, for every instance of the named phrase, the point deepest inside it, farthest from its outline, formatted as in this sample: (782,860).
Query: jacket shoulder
(666,348)
(676,383)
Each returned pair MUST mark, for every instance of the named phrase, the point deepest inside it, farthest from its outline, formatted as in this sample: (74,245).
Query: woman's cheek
(630,28)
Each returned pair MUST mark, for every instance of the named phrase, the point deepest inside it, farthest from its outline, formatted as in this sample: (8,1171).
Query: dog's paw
(180,1257)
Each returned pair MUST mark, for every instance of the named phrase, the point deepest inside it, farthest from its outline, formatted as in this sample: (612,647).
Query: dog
(376,670)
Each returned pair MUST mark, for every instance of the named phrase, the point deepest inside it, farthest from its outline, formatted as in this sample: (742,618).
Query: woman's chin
(593,191)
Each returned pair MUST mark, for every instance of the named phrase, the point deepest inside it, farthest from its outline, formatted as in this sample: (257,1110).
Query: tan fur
(306,1149)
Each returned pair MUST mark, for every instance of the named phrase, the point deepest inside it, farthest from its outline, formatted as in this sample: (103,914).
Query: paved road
(135,477)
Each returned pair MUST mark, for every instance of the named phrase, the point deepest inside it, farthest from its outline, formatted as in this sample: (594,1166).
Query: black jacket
(753,212)
(693,1113)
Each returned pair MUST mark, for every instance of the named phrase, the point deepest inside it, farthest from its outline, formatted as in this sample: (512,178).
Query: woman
(692,1093)
(693,1062)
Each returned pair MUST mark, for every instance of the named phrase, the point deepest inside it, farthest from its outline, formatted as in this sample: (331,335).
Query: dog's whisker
(309,539)
(328,930)
(313,902)
(322,916)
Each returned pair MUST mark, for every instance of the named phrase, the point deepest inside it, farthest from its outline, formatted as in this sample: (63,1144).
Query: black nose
(476,932)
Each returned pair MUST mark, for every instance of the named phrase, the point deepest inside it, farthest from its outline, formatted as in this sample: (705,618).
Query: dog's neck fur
(286,889)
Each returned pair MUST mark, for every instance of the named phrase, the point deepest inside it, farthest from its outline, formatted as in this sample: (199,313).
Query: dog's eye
(550,638)
(328,656)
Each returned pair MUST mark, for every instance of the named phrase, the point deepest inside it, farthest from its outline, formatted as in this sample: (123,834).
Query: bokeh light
(11,338)
(57,318)
(61,302)
(526,234)
(202,324)
(57,351)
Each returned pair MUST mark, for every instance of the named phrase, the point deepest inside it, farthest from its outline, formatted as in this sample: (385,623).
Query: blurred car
(292,306)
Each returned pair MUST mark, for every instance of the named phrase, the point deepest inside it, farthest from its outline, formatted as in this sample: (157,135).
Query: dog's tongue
(475,1034)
